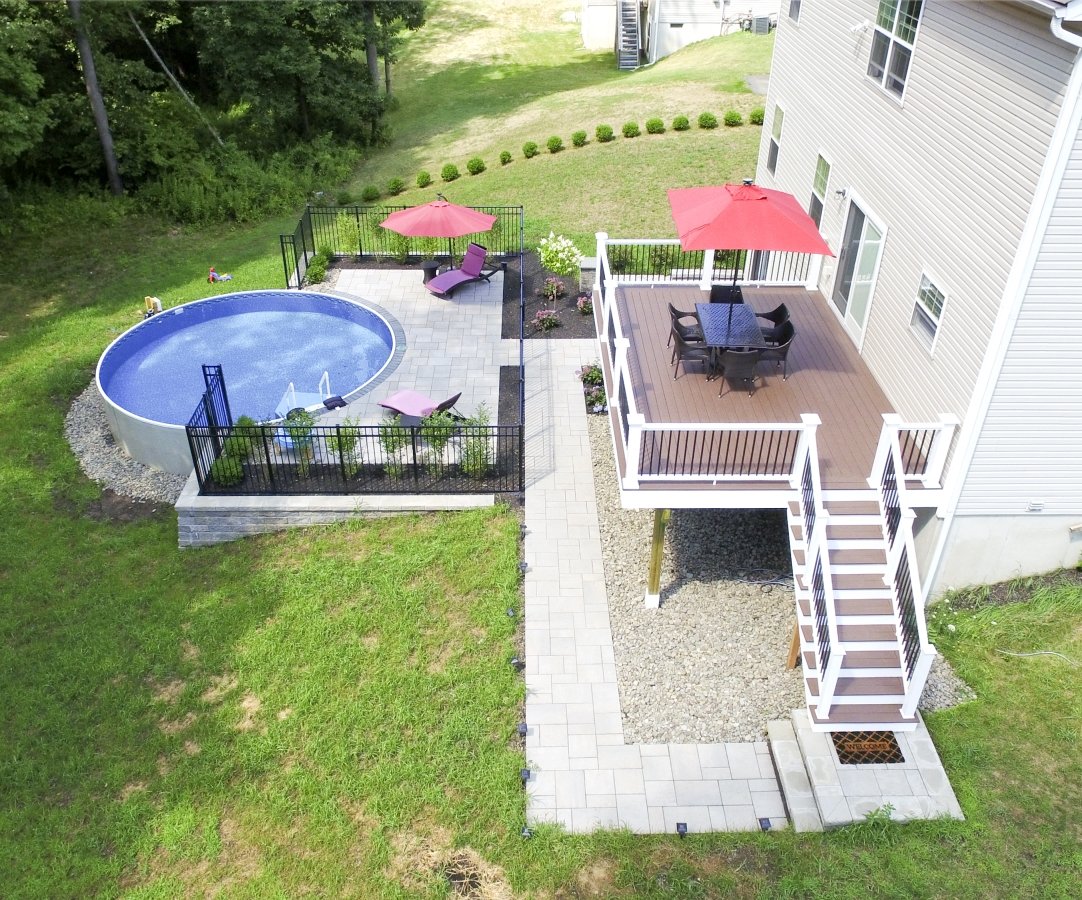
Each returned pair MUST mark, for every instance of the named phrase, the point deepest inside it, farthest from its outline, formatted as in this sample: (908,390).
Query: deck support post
(652,600)
(794,648)
(707,277)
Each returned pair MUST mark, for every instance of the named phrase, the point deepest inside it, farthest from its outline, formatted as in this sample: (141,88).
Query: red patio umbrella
(440,218)
(743,217)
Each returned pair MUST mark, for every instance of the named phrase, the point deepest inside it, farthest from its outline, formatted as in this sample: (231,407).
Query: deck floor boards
(826,376)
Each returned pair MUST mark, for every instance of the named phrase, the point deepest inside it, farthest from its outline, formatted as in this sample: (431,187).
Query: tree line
(146,96)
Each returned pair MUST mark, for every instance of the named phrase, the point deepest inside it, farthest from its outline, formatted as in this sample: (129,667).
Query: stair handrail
(902,578)
(806,480)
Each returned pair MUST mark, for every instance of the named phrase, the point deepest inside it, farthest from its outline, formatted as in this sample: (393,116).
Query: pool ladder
(324,393)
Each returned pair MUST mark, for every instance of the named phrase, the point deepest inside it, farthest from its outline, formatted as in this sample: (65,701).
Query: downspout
(1048,184)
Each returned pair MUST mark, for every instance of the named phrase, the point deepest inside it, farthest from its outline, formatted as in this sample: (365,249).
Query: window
(794,10)
(775,140)
(892,42)
(819,189)
(927,310)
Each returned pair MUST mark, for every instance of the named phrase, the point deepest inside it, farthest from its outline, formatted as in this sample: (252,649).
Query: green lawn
(331,711)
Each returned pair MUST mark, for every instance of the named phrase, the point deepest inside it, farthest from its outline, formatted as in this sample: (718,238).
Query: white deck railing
(902,576)
(922,448)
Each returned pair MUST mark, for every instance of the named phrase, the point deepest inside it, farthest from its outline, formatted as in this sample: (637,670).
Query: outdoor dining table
(730,325)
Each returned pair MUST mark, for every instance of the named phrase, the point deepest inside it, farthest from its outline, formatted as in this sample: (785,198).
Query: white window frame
(794,10)
(923,317)
(822,198)
(894,42)
(774,144)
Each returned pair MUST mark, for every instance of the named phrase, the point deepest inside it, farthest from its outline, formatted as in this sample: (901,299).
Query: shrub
(655,126)
(477,448)
(733,119)
(555,144)
(436,430)
(546,319)
(529,149)
(316,272)
(343,443)
(423,179)
(593,387)
(370,194)
(631,129)
(757,115)
(395,187)
(604,134)
(585,304)
(449,172)
(475,166)
(399,245)
(227,471)
(578,139)
(505,157)
(344,198)
(558,254)
(552,289)
(680,123)
(349,233)
(393,436)
(708,120)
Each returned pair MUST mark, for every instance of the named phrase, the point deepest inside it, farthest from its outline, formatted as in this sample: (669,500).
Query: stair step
(852,606)
(840,528)
(881,635)
(886,689)
(796,787)
(869,717)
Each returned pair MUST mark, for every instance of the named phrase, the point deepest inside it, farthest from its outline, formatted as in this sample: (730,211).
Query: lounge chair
(413,406)
(473,269)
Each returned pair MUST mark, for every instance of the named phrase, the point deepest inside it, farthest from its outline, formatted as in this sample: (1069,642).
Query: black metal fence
(430,458)
(356,232)
(667,262)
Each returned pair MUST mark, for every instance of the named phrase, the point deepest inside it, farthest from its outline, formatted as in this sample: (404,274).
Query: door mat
(863,748)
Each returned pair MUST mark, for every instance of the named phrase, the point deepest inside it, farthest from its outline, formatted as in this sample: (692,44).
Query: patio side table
(429,268)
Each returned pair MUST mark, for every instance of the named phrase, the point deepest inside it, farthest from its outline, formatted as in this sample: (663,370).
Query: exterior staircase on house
(863,642)
(627,34)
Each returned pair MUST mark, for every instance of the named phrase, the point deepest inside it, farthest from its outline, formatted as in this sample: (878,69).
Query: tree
(24,112)
(93,91)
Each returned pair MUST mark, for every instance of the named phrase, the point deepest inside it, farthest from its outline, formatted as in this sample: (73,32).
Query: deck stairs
(627,34)
(863,643)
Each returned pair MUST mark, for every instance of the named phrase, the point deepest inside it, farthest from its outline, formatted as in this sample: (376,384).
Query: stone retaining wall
(202,521)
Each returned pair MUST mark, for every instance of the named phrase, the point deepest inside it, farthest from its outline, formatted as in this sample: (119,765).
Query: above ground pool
(151,376)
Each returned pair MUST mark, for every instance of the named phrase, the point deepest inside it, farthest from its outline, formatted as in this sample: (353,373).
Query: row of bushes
(603,134)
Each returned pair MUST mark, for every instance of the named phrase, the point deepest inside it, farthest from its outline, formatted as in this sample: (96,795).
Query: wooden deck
(826,377)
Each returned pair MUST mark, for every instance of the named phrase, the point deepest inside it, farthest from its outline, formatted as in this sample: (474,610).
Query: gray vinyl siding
(949,171)
(1030,447)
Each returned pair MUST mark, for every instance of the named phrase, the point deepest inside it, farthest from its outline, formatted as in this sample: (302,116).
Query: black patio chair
(779,354)
(726,293)
(776,316)
(690,331)
(689,351)
(738,365)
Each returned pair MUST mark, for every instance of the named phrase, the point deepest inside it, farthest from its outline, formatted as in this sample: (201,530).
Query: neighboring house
(929,436)
(939,144)
(644,32)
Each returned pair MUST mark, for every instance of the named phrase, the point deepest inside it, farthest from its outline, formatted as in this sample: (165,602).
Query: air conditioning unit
(760,25)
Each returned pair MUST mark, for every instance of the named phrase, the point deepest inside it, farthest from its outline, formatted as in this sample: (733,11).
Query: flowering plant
(593,387)
(552,289)
(558,254)
(585,304)
(546,319)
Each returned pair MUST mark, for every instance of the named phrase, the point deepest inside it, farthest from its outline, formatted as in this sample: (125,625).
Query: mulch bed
(573,324)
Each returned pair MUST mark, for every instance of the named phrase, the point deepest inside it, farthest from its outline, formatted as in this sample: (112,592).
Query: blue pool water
(263,340)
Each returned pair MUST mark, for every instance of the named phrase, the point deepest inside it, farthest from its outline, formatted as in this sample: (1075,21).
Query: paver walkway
(583,775)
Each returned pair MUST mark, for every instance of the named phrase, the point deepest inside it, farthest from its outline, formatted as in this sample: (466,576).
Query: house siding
(1030,444)
(949,171)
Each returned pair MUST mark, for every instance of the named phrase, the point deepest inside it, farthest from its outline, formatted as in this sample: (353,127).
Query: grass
(331,711)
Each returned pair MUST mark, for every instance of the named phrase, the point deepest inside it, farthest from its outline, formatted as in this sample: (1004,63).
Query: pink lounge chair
(414,406)
(472,269)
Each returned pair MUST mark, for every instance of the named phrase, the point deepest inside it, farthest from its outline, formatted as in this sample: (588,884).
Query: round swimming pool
(151,376)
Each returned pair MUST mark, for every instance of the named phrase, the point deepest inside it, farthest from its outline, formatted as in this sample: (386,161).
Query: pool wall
(164,446)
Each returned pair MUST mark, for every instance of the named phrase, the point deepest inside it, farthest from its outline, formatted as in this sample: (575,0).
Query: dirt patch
(370,641)
(284,714)
(132,787)
(250,705)
(220,685)
(188,651)
(175,726)
(596,880)
(168,691)
(114,507)
(192,748)
(421,858)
